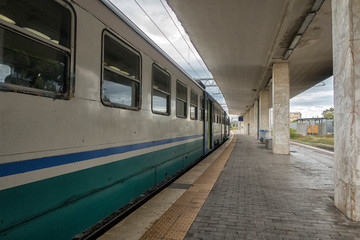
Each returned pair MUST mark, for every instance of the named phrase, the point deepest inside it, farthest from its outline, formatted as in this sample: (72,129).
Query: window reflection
(181,99)
(32,64)
(161,90)
(31,58)
(193,114)
(119,90)
(5,71)
(120,87)
(160,102)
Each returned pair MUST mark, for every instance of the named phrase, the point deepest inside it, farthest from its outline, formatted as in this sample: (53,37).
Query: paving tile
(259,195)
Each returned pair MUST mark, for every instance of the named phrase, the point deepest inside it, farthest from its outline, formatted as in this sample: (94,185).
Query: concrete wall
(252,121)
(256,119)
(301,129)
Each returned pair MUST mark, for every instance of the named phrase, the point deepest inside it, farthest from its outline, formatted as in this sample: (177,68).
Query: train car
(217,124)
(93,116)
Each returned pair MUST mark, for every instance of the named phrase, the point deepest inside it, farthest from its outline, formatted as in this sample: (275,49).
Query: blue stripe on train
(7,169)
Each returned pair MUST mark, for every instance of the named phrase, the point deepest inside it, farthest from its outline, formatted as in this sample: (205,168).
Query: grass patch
(322,141)
(315,139)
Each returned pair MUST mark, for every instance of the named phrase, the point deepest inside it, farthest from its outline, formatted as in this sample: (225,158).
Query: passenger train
(93,117)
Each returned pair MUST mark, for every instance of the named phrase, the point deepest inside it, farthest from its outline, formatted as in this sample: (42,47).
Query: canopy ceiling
(240,40)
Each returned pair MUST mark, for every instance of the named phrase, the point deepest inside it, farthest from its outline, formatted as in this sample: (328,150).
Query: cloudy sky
(156,19)
(315,100)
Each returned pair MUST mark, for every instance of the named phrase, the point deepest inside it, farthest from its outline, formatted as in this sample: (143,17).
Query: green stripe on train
(63,206)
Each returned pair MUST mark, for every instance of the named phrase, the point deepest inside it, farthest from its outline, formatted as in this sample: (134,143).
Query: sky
(315,100)
(157,20)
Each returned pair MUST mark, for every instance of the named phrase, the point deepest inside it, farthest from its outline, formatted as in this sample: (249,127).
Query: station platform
(244,191)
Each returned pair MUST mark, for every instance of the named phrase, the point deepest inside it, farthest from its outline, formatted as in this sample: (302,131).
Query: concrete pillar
(256,118)
(280,101)
(270,95)
(264,110)
(271,114)
(251,120)
(346,62)
(246,124)
(247,127)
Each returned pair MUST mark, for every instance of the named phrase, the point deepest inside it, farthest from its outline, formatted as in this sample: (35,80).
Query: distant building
(294,116)
(313,126)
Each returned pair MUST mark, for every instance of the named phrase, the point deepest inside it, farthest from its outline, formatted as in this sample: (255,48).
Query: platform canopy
(239,40)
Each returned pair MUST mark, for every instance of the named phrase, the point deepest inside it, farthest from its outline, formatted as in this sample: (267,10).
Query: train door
(224,125)
(208,126)
(221,127)
(228,126)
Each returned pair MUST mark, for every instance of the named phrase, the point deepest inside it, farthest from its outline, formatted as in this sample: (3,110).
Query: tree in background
(329,114)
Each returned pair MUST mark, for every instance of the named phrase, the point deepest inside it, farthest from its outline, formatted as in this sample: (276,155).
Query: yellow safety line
(177,220)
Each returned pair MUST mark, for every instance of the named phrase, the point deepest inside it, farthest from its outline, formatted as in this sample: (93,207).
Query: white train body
(69,160)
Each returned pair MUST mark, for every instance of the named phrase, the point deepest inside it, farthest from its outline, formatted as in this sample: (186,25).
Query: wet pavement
(260,195)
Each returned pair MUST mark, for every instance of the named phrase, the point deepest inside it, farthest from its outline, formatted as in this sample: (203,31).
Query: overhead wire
(144,11)
(201,64)
(206,71)
(166,37)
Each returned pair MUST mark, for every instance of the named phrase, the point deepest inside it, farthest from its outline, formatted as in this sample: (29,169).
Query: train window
(35,47)
(181,99)
(160,90)
(193,105)
(121,74)
(202,108)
